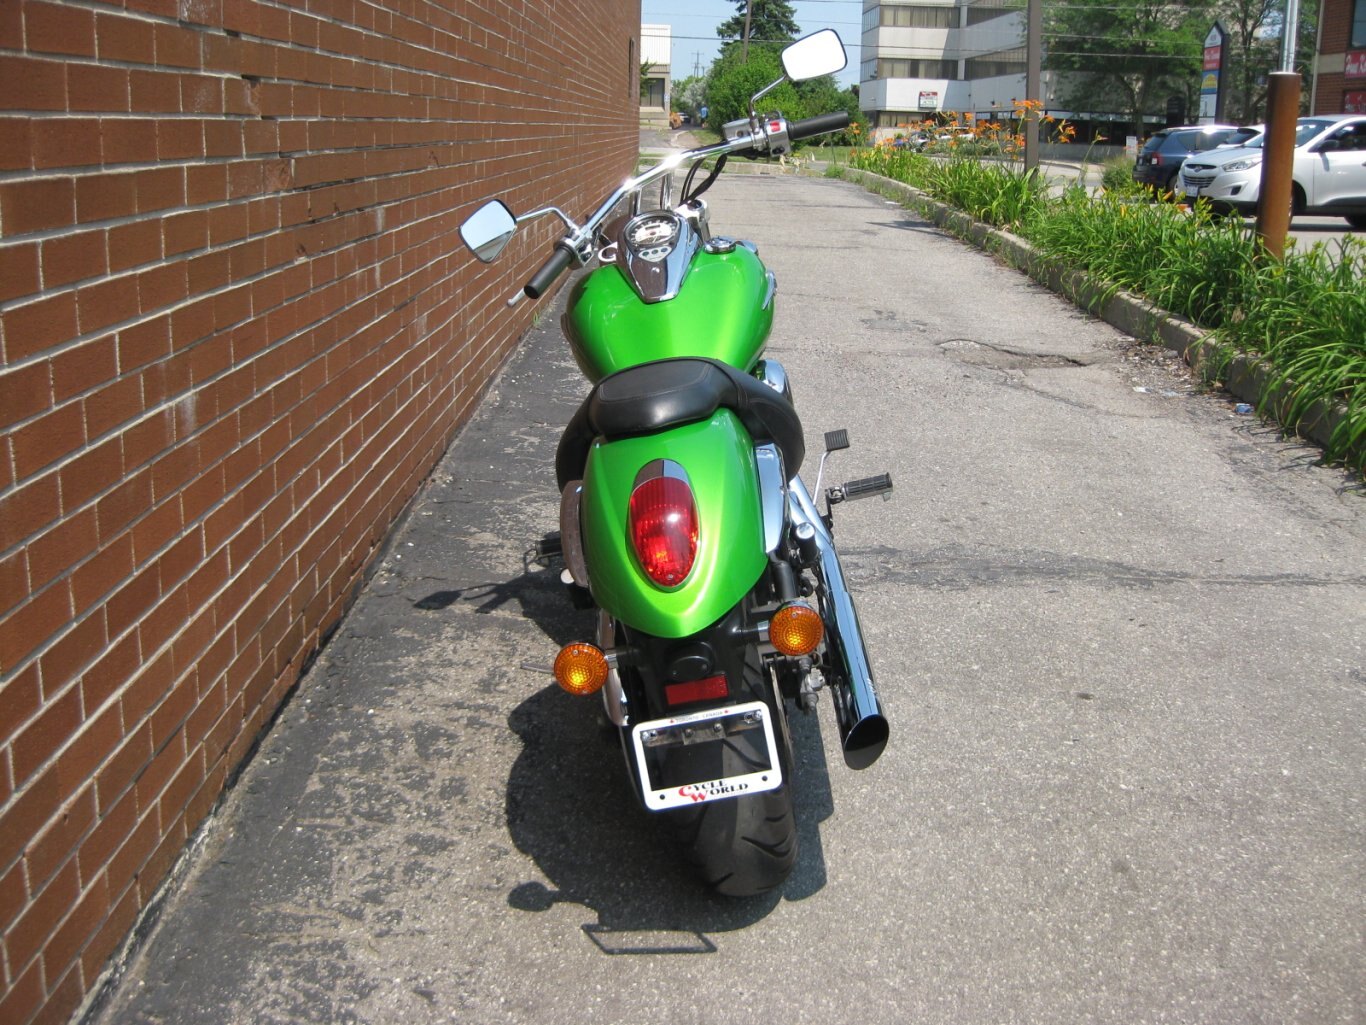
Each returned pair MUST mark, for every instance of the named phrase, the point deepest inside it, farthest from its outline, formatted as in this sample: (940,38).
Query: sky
(694,22)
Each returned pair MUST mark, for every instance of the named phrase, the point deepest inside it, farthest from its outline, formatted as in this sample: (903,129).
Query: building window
(1359,23)
(898,16)
(895,68)
(1003,62)
(653,96)
(986,10)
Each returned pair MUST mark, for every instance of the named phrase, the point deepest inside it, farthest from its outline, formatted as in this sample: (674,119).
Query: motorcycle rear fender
(718,457)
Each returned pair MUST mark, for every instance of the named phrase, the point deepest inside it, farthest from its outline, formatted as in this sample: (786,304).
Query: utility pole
(749,10)
(1278,150)
(1033,78)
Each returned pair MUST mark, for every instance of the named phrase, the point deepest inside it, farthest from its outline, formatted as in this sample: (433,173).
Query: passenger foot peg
(865,487)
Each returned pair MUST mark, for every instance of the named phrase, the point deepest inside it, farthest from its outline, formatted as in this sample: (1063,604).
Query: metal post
(1033,78)
(1278,153)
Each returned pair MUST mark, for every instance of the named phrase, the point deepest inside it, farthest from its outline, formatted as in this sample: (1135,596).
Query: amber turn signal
(795,630)
(580,668)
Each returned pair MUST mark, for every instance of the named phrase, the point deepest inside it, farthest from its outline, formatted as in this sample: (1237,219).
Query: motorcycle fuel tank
(723,311)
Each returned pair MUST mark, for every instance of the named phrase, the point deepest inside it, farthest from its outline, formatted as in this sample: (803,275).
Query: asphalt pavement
(1118,628)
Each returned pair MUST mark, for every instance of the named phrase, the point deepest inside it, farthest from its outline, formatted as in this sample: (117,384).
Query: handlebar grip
(558,263)
(807,127)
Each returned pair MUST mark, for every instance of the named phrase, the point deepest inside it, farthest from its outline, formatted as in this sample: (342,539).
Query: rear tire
(1357,221)
(740,846)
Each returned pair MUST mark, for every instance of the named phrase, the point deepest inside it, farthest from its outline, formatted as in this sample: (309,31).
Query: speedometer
(652,233)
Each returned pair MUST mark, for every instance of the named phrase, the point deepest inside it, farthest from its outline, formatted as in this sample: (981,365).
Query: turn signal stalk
(580,668)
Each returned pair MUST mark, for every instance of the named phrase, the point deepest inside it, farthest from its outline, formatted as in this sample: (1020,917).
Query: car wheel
(1296,202)
(1357,221)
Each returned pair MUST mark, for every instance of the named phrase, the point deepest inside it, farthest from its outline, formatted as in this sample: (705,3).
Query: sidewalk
(1119,631)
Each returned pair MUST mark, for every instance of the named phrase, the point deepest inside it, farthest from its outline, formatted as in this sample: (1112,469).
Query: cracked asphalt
(1118,629)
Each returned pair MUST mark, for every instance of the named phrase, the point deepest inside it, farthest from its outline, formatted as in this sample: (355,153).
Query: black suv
(1160,159)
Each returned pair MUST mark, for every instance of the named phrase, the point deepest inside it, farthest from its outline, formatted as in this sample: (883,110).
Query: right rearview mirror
(488,230)
(820,53)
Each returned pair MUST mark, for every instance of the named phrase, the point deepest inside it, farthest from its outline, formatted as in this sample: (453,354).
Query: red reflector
(663,523)
(710,689)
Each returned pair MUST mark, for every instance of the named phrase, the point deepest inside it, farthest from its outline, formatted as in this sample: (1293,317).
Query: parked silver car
(1328,171)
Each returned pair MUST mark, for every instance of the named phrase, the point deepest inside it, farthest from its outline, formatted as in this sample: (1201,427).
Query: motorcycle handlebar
(807,127)
(558,263)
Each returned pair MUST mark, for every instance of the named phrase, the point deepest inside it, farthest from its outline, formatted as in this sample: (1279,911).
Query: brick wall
(236,332)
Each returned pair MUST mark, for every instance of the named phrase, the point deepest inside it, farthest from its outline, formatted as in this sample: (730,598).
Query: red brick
(115,777)
(118,662)
(127,140)
(95,88)
(160,189)
(118,38)
(90,749)
(54,552)
(59,28)
(132,601)
(50,729)
(73,651)
(162,286)
(81,924)
(13,894)
(182,232)
(144,343)
(124,504)
(176,47)
(145,440)
(24,392)
(68,259)
(14,586)
(180,138)
(21,1001)
(31,624)
(18,271)
(39,325)
(154,92)
(43,441)
(111,405)
(26,938)
(65,142)
(134,244)
(103,196)
(84,366)
(32,84)
(28,509)
(105,303)
(21,698)
(101,574)
(50,849)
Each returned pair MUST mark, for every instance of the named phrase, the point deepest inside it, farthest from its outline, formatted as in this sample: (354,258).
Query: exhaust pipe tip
(863,744)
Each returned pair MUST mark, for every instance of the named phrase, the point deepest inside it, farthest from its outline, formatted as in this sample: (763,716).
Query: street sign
(1211,76)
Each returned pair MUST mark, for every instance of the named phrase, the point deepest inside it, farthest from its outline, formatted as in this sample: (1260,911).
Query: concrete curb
(1244,376)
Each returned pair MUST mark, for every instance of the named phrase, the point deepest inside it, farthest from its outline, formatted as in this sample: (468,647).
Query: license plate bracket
(750,724)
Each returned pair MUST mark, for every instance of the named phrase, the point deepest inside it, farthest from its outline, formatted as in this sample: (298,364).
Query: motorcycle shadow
(570,809)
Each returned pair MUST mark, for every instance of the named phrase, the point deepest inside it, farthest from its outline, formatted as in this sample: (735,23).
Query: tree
(1129,53)
(771,22)
(733,80)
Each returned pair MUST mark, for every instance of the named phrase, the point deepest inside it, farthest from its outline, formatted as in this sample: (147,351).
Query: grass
(1303,315)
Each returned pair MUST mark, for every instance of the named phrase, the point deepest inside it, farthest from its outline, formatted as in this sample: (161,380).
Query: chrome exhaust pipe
(863,726)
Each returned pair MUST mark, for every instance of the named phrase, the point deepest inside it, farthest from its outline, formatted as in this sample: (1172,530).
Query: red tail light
(663,523)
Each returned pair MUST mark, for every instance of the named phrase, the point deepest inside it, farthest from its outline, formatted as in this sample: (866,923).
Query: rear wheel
(745,845)
(1357,221)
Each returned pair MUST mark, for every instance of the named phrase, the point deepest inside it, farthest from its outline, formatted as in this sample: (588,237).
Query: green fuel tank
(723,311)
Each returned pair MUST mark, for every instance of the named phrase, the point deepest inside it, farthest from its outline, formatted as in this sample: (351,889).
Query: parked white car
(1328,173)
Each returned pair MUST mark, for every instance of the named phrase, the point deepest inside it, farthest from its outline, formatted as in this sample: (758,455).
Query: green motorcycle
(683,519)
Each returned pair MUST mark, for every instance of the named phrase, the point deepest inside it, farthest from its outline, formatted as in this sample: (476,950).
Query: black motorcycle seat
(672,392)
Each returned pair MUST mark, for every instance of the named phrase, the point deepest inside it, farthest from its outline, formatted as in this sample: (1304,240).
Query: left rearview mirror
(820,53)
(488,230)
